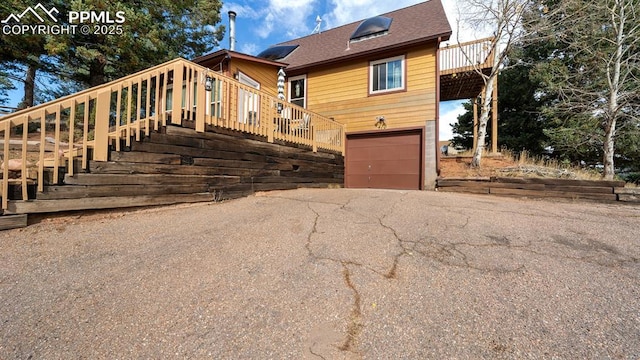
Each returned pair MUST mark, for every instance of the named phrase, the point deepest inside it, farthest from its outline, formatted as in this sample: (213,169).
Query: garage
(386,160)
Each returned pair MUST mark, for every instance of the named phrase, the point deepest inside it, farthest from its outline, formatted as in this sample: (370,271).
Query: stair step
(111,202)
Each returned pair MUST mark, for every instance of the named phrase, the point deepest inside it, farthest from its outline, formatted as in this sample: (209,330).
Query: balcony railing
(468,56)
(81,127)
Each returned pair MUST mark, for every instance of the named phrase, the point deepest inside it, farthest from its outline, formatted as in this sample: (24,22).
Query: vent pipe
(232,30)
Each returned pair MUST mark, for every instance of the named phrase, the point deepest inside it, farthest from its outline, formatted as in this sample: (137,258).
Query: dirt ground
(460,167)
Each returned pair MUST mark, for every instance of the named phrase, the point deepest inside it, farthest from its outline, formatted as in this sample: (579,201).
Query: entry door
(390,160)
(248,102)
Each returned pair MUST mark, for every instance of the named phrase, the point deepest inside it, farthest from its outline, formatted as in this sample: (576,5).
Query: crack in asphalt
(314,353)
(355,323)
(446,253)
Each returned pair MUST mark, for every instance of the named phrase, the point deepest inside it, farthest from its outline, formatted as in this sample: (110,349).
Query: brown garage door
(384,160)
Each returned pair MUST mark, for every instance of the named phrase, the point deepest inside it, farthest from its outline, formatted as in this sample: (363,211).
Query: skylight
(277,52)
(371,27)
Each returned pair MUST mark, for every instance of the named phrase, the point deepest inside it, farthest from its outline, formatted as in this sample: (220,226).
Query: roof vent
(372,27)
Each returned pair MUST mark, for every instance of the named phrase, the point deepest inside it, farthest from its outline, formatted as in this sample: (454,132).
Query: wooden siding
(343,94)
(266,75)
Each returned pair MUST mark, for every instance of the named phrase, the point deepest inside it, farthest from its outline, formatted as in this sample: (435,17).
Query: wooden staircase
(151,139)
(180,165)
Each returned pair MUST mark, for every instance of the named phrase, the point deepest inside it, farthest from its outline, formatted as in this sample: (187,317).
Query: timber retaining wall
(605,191)
(180,165)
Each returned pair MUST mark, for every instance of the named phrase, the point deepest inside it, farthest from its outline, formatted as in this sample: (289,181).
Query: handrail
(82,126)
(467,56)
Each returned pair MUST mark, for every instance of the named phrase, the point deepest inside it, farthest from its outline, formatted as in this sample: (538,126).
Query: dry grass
(510,164)
(533,166)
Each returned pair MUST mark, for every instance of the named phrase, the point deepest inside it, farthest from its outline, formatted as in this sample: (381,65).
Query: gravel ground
(327,274)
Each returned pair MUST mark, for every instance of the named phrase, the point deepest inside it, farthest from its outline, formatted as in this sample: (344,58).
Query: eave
(295,70)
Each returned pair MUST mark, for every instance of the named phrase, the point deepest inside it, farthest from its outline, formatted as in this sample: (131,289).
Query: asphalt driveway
(327,274)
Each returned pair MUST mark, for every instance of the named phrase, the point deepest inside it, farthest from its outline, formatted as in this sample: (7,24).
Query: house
(378,76)
(355,106)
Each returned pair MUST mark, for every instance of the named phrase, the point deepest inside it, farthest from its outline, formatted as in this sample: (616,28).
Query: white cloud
(243,11)
(449,112)
(284,18)
(250,48)
(347,11)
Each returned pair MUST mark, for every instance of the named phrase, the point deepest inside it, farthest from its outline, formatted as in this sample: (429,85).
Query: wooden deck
(460,66)
(140,141)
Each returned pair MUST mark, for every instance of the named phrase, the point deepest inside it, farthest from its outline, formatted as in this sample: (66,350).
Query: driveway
(327,274)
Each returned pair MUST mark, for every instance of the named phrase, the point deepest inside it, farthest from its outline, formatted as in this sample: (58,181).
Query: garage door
(384,160)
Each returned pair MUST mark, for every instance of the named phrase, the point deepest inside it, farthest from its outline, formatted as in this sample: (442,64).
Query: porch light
(208,83)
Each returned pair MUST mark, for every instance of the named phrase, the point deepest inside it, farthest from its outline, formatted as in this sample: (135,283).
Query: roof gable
(410,26)
(214,59)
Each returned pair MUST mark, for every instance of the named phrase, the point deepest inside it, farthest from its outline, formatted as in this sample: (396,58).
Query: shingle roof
(411,26)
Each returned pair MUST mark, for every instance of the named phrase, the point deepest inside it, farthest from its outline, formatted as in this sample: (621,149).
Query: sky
(262,23)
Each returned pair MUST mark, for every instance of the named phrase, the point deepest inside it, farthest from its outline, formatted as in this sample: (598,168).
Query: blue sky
(261,23)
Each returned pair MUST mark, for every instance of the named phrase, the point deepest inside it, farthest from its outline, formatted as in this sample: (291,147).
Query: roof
(411,26)
(215,57)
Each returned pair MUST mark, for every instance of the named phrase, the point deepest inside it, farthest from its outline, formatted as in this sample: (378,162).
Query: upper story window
(298,90)
(387,75)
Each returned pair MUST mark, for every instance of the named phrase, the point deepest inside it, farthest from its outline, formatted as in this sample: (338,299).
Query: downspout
(438,106)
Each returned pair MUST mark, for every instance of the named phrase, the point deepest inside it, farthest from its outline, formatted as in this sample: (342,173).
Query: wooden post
(201,106)
(24,175)
(138,109)
(118,116)
(176,109)
(147,106)
(43,131)
(343,139)
(103,104)
(56,146)
(494,118)
(314,145)
(72,125)
(271,118)
(475,122)
(127,139)
(85,133)
(5,171)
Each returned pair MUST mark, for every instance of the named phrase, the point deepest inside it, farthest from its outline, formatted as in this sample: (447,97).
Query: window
(214,97)
(386,75)
(248,100)
(298,90)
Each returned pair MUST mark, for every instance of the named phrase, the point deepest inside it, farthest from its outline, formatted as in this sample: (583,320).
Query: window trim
(403,71)
(304,98)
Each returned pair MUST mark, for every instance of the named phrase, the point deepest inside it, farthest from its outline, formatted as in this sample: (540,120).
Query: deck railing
(81,127)
(468,56)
